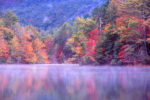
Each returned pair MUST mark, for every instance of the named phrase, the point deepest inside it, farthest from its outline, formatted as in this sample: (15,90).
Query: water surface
(72,82)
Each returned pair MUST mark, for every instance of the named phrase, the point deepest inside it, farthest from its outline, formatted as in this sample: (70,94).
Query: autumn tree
(102,16)
(131,36)
(4,49)
(107,47)
(49,43)
(77,43)
(138,8)
(92,38)
(13,45)
(38,47)
(28,54)
(15,51)
(60,38)
(40,51)
(32,31)
(8,34)
(124,42)
(1,22)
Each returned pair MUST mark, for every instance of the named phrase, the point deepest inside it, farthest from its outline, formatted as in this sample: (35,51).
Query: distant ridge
(49,13)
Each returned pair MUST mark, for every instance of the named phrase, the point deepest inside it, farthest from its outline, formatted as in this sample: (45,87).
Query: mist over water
(71,82)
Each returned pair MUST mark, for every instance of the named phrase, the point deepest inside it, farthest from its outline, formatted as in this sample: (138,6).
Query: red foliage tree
(91,42)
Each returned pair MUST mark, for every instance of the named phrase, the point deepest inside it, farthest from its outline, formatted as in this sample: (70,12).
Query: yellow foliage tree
(39,49)
(28,55)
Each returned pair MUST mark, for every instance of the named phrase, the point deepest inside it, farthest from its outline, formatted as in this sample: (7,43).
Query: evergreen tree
(10,18)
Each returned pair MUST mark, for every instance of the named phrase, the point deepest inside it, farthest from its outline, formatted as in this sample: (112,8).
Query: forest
(117,33)
(47,14)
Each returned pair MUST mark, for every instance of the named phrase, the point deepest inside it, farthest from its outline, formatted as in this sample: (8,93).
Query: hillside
(49,13)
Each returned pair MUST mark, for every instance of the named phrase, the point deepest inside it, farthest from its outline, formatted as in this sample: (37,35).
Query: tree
(4,51)
(15,51)
(60,38)
(138,8)
(10,18)
(58,54)
(77,44)
(1,22)
(28,55)
(131,37)
(63,33)
(8,34)
(1,14)
(32,31)
(101,15)
(106,47)
(97,16)
(11,41)
(40,50)
(18,30)
(113,8)
(48,42)
(84,26)
(92,39)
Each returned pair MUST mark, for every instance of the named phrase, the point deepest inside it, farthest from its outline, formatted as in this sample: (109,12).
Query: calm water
(71,82)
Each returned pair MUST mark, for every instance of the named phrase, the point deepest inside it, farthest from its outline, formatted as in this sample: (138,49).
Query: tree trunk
(100,25)
(144,32)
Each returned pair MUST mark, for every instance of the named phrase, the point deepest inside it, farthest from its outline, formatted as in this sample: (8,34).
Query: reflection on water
(71,82)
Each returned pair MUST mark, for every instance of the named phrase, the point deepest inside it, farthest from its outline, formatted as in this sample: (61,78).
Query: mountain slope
(49,13)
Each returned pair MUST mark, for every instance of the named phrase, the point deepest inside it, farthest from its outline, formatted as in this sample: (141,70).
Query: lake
(73,82)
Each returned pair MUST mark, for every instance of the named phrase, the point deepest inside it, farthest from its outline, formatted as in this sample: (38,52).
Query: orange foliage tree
(4,51)
(28,55)
(40,50)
